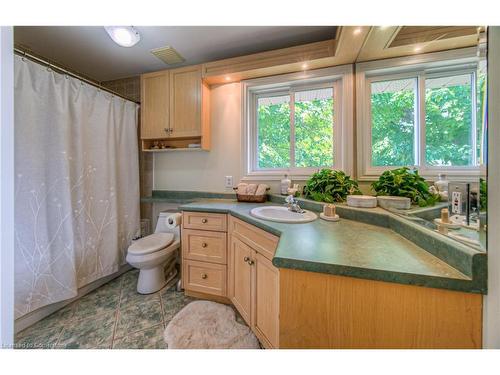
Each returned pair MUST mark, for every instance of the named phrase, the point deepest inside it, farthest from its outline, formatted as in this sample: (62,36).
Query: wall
(205,171)
(491,317)
(201,170)
(6,187)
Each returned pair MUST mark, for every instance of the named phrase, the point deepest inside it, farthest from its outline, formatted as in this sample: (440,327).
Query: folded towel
(242,188)
(261,189)
(251,189)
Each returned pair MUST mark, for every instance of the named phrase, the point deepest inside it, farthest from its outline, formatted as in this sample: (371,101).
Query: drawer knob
(248,260)
(204,244)
(204,221)
(204,276)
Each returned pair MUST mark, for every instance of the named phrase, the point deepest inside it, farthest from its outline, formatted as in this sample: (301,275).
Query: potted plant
(402,182)
(330,186)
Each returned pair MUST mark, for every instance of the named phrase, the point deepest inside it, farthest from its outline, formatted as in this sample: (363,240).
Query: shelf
(173,149)
(172,144)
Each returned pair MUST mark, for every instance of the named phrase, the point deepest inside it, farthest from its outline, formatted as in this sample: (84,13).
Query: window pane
(273,132)
(314,128)
(393,122)
(448,120)
(481,117)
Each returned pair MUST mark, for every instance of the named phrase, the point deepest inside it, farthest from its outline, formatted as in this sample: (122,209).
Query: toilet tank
(161,223)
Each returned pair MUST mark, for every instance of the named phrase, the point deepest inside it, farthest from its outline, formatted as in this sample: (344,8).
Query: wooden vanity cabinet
(204,255)
(253,280)
(175,108)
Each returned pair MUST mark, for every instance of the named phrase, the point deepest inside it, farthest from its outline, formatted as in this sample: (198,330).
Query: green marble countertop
(369,244)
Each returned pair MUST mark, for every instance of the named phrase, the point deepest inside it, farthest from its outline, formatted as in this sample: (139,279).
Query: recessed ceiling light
(417,49)
(357,31)
(228,78)
(305,66)
(125,36)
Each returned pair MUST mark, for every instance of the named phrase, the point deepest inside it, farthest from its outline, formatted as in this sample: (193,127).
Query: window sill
(275,177)
(463,174)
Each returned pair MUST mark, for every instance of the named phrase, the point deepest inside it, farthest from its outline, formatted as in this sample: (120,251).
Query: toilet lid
(151,243)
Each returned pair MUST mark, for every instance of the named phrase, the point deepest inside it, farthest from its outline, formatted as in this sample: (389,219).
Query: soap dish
(329,218)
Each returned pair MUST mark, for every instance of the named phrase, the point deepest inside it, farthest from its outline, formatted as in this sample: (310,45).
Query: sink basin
(282,214)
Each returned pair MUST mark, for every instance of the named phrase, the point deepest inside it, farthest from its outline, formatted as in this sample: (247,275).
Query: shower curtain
(77,184)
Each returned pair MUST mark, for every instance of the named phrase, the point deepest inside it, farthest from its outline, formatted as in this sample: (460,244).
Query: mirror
(433,107)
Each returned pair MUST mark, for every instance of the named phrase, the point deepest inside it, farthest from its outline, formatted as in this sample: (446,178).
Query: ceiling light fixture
(305,66)
(228,78)
(417,49)
(125,36)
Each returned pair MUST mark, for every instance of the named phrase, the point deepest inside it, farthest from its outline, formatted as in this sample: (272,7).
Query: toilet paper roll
(174,220)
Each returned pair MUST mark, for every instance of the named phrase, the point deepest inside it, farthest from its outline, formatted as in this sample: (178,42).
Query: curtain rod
(65,71)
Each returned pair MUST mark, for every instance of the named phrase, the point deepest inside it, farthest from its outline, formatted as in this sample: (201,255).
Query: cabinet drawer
(204,246)
(204,221)
(262,241)
(204,277)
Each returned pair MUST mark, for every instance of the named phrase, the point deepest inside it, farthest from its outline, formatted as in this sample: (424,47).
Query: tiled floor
(112,316)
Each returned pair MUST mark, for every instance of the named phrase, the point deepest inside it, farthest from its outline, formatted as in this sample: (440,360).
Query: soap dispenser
(285,185)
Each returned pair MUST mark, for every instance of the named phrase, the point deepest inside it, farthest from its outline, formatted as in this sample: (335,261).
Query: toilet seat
(151,243)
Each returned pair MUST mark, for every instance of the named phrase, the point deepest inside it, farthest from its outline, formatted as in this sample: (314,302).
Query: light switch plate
(228,181)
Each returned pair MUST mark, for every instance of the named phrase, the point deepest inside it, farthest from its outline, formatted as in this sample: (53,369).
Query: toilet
(155,256)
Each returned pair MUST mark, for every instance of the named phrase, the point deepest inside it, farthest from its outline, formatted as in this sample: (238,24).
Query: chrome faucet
(293,204)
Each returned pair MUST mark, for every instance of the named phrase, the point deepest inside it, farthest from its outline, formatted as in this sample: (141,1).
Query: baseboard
(31,318)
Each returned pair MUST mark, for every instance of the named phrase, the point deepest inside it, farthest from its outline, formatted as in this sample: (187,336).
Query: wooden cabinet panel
(204,246)
(204,221)
(260,240)
(186,101)
(329,311)
(241,278)
(266,303)
(204,277)
(155,105)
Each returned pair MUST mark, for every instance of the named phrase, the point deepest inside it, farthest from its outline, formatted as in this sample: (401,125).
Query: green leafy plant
(402,182)
(330,186)
(483,195)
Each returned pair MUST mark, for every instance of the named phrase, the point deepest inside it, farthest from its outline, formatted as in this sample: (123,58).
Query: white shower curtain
(77,184)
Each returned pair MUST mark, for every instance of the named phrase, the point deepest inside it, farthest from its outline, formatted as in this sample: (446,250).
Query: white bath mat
(208,325)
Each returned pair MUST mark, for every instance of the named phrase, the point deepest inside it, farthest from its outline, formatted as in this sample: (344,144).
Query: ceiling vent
(168,55)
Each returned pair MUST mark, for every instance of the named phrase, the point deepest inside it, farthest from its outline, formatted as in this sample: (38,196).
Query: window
(295,126)
(309,119)
(449,136)
(394,109)
(429,116)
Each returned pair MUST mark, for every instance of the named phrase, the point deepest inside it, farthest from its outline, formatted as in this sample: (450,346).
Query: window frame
(422,67)
(340,79)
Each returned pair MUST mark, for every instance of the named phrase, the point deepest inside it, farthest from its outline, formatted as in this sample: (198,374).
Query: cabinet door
(266,302)
(155,105)
(240,277)
(185,101)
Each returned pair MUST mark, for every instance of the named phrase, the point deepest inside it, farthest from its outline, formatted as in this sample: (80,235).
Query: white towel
(251,189)
(242,188)
(261,189)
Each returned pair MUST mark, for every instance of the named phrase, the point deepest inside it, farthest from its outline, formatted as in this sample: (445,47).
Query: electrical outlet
(228,181)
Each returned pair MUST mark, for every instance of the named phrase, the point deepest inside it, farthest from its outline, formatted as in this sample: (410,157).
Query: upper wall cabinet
(155,105)
(175,110)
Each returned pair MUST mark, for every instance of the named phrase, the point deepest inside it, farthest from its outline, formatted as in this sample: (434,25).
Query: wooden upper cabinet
(175,109)
(155,105)
(186,101)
